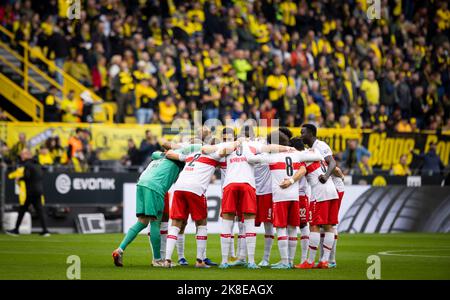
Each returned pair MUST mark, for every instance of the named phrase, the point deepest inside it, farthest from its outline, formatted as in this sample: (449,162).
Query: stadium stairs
(26,79)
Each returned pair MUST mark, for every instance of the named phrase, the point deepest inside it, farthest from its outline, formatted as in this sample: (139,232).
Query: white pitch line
(395,253)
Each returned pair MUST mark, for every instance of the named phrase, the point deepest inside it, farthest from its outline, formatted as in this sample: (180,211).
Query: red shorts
(239,198)
(341,195)
(305,212)
(185,203)
(166,210)
(286,213)
(264,209)
(325,212)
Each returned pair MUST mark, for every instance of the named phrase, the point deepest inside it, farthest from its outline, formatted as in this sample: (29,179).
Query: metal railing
(106,114)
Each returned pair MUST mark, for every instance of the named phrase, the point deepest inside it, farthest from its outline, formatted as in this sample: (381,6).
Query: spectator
(148,145)
(79,70)
(370,90)
(401,168)
(51,106)
(59,46)
(44,156)
(352,156)
(75,143)
(123,86)
(3,116)
(18,147)
(133,157)
(70,108)
(403,126)
(145,102)
(364,168)
(268,113)
(167,110)
(5,156)
(431,162)
(56,151)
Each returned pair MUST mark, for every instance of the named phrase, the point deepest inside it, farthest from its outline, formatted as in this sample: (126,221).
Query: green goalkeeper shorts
(148,203)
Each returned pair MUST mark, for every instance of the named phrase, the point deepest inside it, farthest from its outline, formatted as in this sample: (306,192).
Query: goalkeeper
(152,185)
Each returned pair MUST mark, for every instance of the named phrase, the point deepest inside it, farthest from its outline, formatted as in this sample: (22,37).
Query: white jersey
(303,186)
(238,168)
(338,183)
(263,179)
(196,174)
(284,165)
(320,191)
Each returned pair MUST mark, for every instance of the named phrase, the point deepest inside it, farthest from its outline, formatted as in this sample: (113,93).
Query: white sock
(322,236)
(268,240)
(283,245)
(333,251)
(172,237)
(250,239)
(304,242)
(163,231)
(328,242)
(232,249)
(202,236)
(292,233)
(314,240)
(225,239)
(242,248)
(180,246)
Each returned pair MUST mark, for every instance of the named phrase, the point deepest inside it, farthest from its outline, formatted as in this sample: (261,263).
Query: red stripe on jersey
(208,161)
(327,247)
(282,166)
(292,238)
(204,160)
(269,236)
(253,150)
(225,235)
(203,238)
(305,237)
(312,247)
(312,167)
(250,234)
(163,232)
(173,237)
(282,238)
(223,164)
(241,236)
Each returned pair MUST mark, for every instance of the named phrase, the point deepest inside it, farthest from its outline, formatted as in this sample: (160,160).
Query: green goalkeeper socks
(155,239)
(131,234)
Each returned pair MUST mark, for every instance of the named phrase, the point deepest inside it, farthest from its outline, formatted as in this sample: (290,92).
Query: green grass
(423,256)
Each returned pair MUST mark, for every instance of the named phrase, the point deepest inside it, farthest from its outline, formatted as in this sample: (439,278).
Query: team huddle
(275,182)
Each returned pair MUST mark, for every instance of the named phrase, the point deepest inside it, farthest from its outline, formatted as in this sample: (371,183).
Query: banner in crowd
(111,139)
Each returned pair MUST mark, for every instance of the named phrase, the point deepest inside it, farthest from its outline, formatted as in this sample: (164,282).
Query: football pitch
(403,256)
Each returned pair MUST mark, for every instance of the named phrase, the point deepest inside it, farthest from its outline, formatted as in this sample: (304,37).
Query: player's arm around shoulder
(287,182)
(309,155)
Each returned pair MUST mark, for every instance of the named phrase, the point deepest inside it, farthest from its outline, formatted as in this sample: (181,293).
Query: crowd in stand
(78,155)
(323,62)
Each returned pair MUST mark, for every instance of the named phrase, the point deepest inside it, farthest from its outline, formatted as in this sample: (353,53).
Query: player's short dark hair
(311,128)
(247,131)
(282,138)
(297,143)
(227,130)
(78,130)
(286,131)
